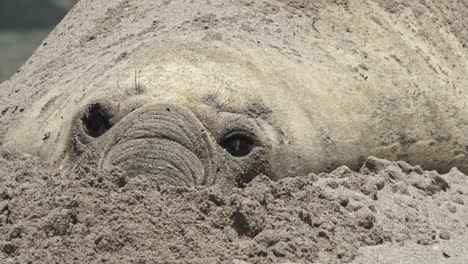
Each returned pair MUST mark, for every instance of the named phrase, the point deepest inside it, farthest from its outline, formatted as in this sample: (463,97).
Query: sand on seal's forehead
(313,85)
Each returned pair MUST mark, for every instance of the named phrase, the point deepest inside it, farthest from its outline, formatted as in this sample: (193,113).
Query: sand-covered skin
(48,216)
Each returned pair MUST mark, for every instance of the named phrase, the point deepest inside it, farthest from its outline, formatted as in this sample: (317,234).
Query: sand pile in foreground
(48,216)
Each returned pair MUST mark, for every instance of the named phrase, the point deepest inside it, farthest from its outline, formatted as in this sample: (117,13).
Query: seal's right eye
(96,121)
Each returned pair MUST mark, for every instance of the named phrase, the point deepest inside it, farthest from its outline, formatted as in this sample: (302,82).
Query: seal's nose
(166,141)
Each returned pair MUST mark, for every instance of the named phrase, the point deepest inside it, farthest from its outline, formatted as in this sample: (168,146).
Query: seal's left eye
(96,121)
(237,144)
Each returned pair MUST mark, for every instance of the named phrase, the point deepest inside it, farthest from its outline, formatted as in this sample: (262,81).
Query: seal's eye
(238,144)
(96,121)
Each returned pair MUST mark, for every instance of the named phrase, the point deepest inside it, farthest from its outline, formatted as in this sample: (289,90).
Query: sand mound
(48,216)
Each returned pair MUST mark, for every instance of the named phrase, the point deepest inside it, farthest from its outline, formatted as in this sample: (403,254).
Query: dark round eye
(96,121)
(237,144)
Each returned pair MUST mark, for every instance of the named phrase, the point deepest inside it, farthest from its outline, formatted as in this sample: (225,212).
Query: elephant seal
(216,92)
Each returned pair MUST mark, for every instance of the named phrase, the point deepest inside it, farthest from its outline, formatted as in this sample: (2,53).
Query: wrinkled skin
(177,145)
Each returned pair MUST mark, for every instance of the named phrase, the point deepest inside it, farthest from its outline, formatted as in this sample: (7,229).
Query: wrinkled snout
(164,141)
(171,143)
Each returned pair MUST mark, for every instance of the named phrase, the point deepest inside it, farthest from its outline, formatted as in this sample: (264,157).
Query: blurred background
(23,26)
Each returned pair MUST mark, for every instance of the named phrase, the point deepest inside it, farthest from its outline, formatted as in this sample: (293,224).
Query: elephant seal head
(199,94)
(181,118)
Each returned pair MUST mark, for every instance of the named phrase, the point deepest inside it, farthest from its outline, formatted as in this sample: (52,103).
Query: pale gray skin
(311,87)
